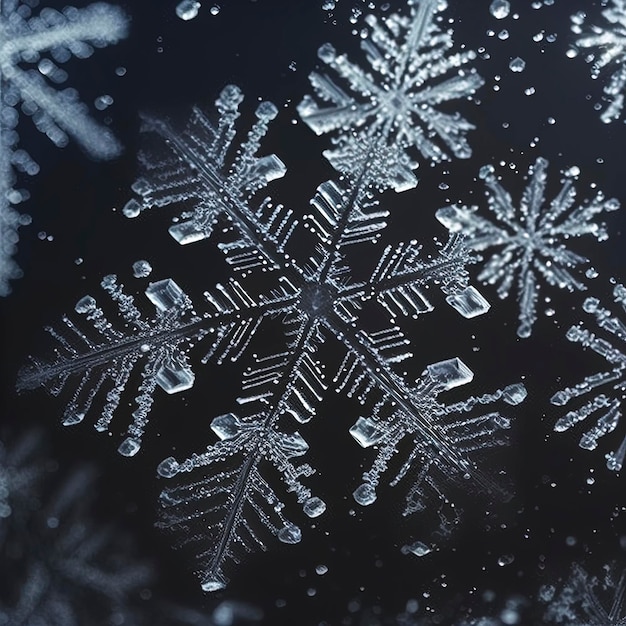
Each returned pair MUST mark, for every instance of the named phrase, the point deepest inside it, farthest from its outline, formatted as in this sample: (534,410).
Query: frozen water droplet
(517,64)
(132,208)
(129,447)
(500,9)
(290,534)
(85,305)
(514,394)
(165,294)
(314,507)
(187,9)
(506,559)
(419,549)
(213,584)
(469,302)
(365,494)
(141,269)
(591,273)
(321,569)
(215,9)
(103,102)
(174,377)
(168,467)
(328,5)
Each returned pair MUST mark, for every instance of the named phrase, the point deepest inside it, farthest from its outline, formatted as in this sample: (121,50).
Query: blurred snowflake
(532,238)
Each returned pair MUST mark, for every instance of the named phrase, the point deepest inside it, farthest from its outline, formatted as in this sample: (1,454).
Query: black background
(555,518)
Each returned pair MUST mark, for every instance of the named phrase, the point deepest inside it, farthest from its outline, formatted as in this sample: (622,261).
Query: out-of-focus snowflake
(605,388)
(532,239)
(607,46)
(59,565)
(587,600)
(43,42)
(412,75)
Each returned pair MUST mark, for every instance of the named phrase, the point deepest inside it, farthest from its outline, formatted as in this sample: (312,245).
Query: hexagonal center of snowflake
(396,103)
(316,299)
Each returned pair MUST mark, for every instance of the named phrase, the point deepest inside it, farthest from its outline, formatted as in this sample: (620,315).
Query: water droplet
(500,9)
(517,65)
(187,9)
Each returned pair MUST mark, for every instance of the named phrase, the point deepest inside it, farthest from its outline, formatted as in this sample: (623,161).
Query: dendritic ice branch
(587,600)
(607,46)
(413,73)
(59,565)
(104,360)
(204,168)
(605,389)
(532,239)
(42,43)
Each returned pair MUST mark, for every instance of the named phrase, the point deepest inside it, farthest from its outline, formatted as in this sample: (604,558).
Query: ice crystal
(412,74)
(590,600)
(531,240)
(315,296)
(59,566)
(607,43)
(44,42)
(605,388)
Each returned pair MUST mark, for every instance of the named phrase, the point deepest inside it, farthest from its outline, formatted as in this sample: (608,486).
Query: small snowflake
(532,238)
(412,75)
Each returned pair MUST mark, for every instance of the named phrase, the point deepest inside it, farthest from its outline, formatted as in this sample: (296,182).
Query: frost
(45,41)
(605,389)
(586,599)
(609,56)
(58,565)
(533,238)
(412,74)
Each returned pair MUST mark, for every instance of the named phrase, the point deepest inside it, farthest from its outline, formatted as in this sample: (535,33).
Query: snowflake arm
(202,166)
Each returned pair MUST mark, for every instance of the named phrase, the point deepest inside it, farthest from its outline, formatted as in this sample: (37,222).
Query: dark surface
(252,44)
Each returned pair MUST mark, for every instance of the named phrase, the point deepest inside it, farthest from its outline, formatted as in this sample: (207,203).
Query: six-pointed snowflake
(608,46)
(413,75)
(44,42)
(532,239)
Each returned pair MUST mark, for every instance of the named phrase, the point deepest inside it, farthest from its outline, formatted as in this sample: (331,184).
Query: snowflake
(583,599)
(60,567)
(606,406)
(610,42)
(316,298)
(532,238)
(412,74)
(48,39)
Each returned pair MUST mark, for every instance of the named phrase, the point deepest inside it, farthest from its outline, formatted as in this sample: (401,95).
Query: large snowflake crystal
(608,45)
(32,49)
(588,600)
(59,566)
(332,309)
(531,240)
(412,75)
(605,388)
